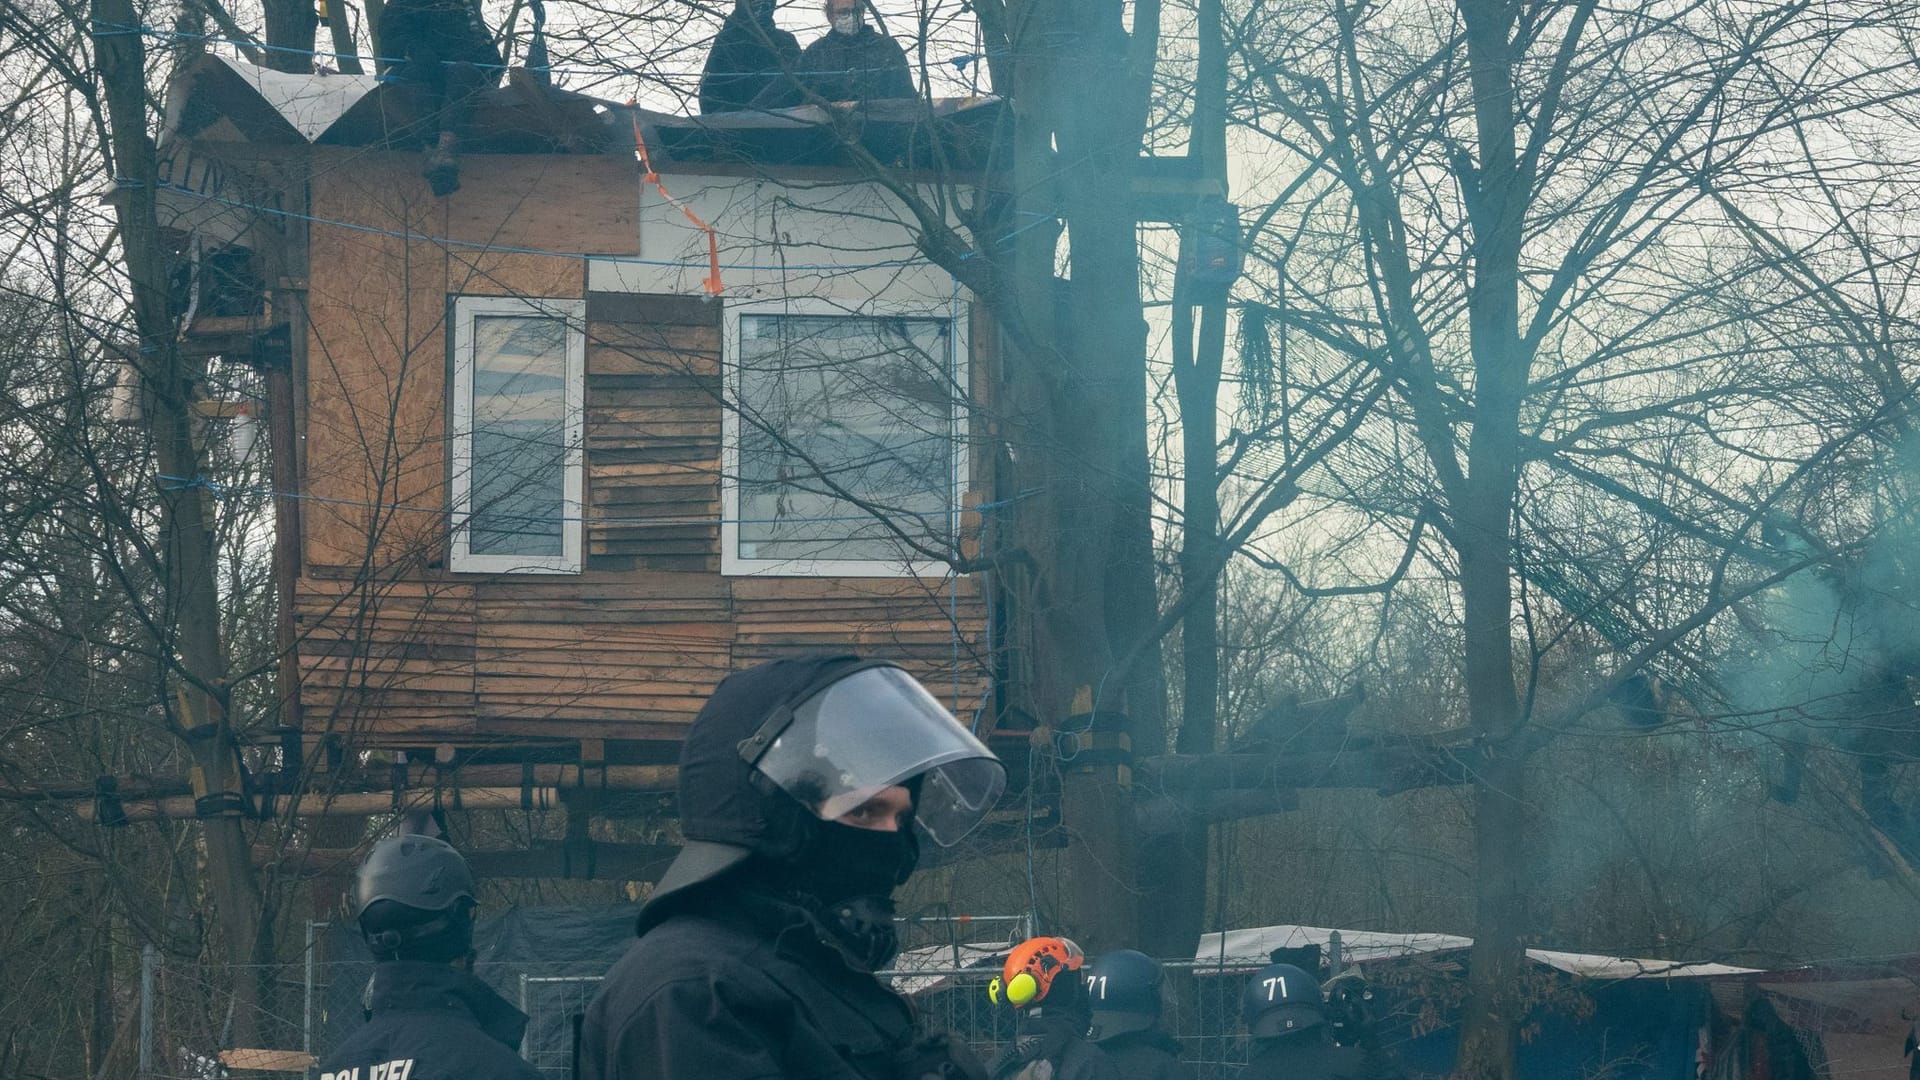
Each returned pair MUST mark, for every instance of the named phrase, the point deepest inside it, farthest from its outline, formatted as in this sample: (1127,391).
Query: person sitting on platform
(852,61)
(749,55)
(442,51)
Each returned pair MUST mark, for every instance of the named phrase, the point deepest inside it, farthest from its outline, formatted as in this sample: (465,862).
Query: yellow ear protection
(1031,968)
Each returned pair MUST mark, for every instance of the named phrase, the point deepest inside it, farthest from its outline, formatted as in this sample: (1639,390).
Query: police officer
(429,1018)
(802,783)
(1124,988)
(1290,1039)
(1041,981)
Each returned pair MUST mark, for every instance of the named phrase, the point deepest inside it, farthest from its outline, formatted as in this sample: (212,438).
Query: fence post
(524,1011)
(1335,962)
(149,969)
(306,1007)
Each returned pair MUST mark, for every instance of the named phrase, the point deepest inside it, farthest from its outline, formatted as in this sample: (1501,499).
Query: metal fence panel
(315,1002)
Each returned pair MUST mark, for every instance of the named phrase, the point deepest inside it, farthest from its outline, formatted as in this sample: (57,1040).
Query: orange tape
(712,285)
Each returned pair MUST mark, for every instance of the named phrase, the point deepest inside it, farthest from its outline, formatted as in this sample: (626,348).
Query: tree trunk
(1175,872)
(290,27)
(1483,531)
(1076,423)
(191,613)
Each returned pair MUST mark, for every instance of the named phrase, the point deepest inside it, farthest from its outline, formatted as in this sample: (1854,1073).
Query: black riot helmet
(413,898)
(1280,1000)
(1124,989)
(788,745)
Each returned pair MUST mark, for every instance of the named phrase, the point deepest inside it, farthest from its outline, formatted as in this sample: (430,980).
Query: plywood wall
(395,649)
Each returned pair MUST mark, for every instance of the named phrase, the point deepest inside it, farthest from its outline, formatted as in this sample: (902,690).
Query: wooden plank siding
(396,650)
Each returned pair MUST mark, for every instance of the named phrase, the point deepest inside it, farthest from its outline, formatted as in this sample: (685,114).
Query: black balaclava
(843,877)
(760,11)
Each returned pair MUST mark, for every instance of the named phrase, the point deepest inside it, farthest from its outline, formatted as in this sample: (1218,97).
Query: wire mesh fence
(203,1022)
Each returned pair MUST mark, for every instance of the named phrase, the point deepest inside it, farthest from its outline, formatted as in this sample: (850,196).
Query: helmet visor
(876,728)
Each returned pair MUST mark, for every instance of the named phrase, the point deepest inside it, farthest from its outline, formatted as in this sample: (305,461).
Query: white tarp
(916,971)
(1596,966)
(1250,948)
(309,102)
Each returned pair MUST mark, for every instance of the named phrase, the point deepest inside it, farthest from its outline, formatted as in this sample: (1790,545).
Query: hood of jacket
(726,817)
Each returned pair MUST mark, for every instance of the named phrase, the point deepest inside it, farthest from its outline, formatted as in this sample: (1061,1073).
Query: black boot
(442,168)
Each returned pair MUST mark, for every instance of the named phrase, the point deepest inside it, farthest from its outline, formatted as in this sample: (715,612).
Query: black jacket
(1146,1055)
(1053,1051)
(1310,1055)
(749,55)
(866,65)
(742,987)
(448,1024)
(431,32)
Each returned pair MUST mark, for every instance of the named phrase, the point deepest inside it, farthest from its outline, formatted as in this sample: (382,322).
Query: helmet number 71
(1278,983)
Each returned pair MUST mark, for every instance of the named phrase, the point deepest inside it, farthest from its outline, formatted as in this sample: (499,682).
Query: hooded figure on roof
(802,783)
(852,61)
(443,54)
(749,55)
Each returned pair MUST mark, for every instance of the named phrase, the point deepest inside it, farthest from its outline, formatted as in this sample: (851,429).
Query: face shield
(872,729)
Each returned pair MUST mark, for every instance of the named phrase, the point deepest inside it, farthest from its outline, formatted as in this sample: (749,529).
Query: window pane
(846,436)
(519,435)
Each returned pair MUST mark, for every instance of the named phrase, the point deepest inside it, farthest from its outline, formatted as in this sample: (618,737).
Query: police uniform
(743,988)
(432,1021)
(756,953)
(1146,1055)
(1036,1056)
(1124,989)
(1311,1055)
(1290,1037)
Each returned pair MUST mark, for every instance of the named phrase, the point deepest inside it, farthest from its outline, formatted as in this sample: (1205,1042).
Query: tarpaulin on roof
(1250,948)
(306,103)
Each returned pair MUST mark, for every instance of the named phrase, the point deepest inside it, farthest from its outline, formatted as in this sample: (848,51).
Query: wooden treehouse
(559,450)
(648,399)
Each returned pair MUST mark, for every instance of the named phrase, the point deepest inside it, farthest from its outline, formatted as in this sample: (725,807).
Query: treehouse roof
(219,99)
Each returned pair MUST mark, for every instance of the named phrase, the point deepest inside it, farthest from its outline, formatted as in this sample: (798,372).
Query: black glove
(940,1057)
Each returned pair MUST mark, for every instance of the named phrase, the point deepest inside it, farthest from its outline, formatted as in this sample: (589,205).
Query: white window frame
(732,564)
(461,559)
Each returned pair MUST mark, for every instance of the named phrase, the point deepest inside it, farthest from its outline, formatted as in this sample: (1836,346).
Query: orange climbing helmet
(1031,968)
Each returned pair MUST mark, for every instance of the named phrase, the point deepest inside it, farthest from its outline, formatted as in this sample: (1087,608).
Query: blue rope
(123,29)
(512,250)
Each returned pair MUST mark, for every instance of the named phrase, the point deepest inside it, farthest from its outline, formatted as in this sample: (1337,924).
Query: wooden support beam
(1164,815)
(596,861)
(419,779)
(349,803)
